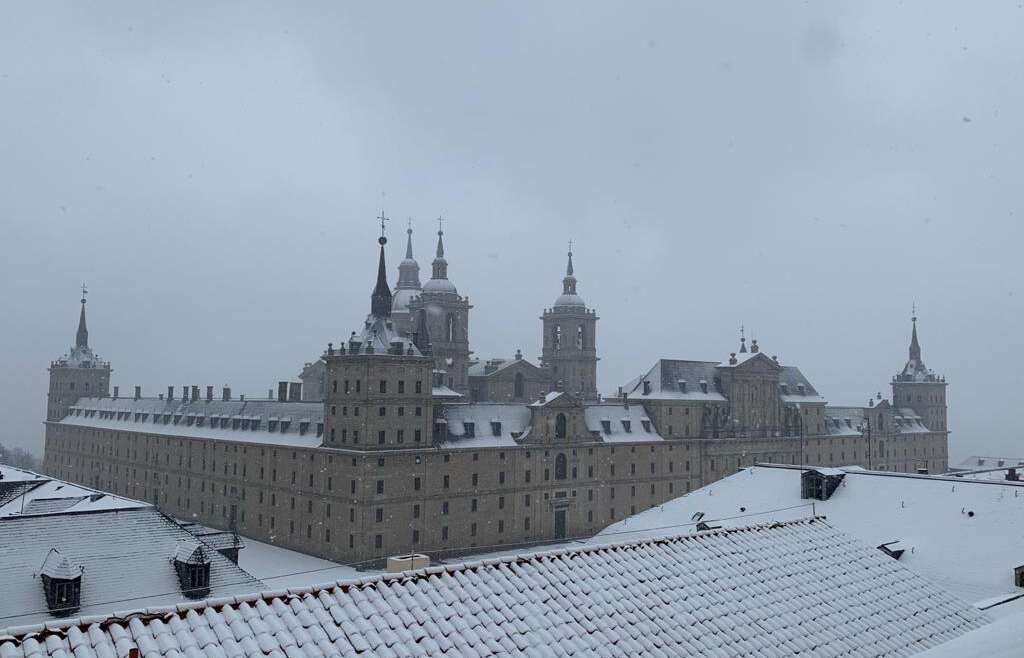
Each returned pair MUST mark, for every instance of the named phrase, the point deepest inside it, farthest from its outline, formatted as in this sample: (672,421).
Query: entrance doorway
(560,524)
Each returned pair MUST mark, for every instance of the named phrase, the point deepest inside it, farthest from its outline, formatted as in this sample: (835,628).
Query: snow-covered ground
(281,568)
(962,534)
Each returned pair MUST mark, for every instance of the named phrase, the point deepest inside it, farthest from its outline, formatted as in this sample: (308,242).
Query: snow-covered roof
(494,366)
(194,419)
(620,423)
(1003,638)
(792,589)
(908,421)
(125,557)
(975,462)
(444,392)
(509,419)
(56,565)
(964,535)
(667,378)
(844,421)
(42,495)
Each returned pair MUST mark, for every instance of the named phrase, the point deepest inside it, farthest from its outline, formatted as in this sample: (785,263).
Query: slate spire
(82,337)
(440,265)
(380,300)
(915,347)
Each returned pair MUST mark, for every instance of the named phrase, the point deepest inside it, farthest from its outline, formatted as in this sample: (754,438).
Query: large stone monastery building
(398,440)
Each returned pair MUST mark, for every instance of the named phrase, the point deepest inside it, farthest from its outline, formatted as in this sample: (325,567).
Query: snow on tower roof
(782,589)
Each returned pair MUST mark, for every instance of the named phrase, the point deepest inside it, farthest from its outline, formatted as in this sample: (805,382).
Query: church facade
(398,440)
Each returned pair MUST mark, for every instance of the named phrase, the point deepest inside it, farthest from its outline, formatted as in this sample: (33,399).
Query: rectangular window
(400,436)
(383,386)
(401,386)
(526,524)
(444,507)
(527,475)
(415,511)
(501,502)
(382,411)
(501,526)
(380,487)
(378,541)
(419,389)
(444,533)
(415,536)
(416,484)
(472,530)
(473,505)
(380,514)
(475,479)
(501,477)
(417,436)
(380,437)
(447,482)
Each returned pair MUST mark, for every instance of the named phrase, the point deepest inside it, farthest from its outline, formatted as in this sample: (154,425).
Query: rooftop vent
(62,584)
(893,549)
(192,564)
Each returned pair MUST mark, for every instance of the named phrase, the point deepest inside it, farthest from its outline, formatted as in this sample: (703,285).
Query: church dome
(401,299)
(569,299)
(440,285)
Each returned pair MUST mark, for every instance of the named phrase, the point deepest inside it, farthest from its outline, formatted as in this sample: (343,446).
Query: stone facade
(391,460)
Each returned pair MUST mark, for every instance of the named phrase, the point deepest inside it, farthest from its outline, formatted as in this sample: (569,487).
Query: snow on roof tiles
(798,588)
(971,555)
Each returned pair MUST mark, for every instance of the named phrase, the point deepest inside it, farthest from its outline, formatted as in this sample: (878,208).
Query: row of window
(382,386)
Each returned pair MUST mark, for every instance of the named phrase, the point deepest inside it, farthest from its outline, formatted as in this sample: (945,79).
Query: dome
(401,299)
(440,285)
(570,299)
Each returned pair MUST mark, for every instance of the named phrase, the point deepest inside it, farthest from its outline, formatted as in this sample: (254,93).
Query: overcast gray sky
(808,169)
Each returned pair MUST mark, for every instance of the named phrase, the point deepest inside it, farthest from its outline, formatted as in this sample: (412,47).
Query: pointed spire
(440,265)
(380,300)
(915,347)
(743,340)
(408,269)
(569,282)
(82,337)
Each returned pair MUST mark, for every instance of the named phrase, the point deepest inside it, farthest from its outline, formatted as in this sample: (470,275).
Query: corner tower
(570,340)
(446,316)
(919,388)
(377,384)
(77,374)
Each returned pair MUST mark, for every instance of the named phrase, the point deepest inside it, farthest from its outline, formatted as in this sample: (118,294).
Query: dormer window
(272,425)
(627,426)
(255,425)
(606,426)
(236,422)
(192,564)
(785,388)
(319,429)
(177,418)
(200,420)
(62,584)
(703,386)
(470,430)
(682,385)
(303,427)
(647,425)
(285,422)
(495,428)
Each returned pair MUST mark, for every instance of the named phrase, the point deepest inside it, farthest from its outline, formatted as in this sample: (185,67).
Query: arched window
(560,466)
(556,336)
(520,387)
(450,328)
(560,426)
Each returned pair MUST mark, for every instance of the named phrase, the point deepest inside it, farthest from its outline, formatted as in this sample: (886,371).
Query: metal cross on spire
(440,223)
(913,311)
(383,219)
(85,291)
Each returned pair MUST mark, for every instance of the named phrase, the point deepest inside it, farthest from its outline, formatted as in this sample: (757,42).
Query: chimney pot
(170,393)
(295,392)
(195,393)
(209,394)
(226,393)
(282,391)
(138,392)
(116,390)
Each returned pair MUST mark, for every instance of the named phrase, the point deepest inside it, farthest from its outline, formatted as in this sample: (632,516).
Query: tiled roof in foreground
(784,589)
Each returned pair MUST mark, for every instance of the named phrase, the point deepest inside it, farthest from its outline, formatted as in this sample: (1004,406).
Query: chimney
(209,394)
(226,394)
(295,392)
(270,394)
(133,652)
(138,392)
(1012,476)
(184,393)
(625,400)
(195,394)
(160,397)
(282,391)
(647,387)
(170,393)
(116,390)
(519,355)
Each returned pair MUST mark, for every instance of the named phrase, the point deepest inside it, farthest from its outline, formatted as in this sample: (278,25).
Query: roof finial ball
(382,240)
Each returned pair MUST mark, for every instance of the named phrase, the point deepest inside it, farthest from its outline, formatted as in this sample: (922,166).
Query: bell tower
(570,341)
(919,388)
(446,315)
(77,374)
